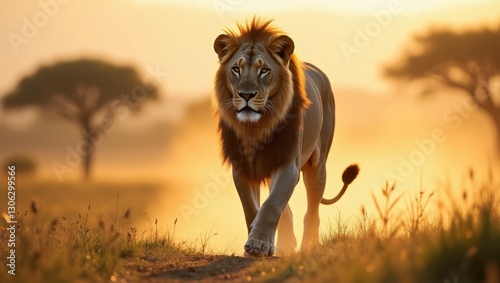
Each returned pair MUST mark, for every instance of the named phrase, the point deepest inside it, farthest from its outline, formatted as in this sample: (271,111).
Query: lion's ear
(222,45)
(282,46)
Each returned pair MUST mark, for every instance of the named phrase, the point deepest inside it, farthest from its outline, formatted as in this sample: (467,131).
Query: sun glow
(358,6)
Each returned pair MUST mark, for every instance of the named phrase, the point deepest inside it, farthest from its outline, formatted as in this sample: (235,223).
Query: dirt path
(185,268)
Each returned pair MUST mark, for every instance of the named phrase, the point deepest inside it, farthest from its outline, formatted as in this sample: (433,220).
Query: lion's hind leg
(314,180)
(286,238)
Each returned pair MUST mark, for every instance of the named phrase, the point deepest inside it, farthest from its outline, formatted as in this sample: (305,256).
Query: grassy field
(456,241)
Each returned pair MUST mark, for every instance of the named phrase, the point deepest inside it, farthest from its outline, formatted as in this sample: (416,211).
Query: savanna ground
(434,236)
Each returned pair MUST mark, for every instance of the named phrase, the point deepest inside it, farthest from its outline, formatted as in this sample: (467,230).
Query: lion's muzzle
(247,95)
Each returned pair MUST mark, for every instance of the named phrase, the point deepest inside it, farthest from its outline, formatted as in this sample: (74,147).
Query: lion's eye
(236,69)
(264,70)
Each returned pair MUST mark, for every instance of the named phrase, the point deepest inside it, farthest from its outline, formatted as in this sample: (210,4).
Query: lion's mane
(255,150)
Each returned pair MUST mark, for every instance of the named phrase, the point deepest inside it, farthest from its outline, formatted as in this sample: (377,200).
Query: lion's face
(254,78)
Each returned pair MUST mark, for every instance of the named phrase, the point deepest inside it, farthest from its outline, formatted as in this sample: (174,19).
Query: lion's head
(254,76)
(259,85)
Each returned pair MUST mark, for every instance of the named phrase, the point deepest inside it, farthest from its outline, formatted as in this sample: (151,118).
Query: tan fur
(262,98)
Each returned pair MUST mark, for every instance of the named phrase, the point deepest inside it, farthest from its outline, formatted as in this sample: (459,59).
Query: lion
(276,118)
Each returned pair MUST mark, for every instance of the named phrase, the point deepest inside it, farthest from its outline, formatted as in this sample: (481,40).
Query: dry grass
(406,241)
(457,242)
(83,245)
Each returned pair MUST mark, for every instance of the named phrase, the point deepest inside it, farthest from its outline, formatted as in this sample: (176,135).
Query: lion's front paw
(254,247)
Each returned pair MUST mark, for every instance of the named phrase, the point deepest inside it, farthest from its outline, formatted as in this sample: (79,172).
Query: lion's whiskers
(227,104)
(269,107)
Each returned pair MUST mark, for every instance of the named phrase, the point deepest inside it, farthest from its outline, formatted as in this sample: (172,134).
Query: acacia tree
(86,92)
(468,61)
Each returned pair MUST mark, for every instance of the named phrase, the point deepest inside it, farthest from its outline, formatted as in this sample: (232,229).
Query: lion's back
(319,120)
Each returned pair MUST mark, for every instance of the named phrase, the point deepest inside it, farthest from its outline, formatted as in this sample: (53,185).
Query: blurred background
(416,85)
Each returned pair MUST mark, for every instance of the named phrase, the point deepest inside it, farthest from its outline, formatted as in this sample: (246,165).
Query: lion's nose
(247,95)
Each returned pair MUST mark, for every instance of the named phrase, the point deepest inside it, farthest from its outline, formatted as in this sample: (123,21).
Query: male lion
(276,118)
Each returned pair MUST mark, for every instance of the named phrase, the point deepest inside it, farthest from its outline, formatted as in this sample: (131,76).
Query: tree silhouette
(23,164)
(468,61)
(87,92)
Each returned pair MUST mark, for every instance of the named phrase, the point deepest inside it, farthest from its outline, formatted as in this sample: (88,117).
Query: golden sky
(177,36)
(346,6)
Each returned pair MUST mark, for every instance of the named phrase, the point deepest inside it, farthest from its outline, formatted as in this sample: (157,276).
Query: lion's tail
(350,173)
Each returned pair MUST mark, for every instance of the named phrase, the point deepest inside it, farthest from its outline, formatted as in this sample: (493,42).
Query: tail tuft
(350,173)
